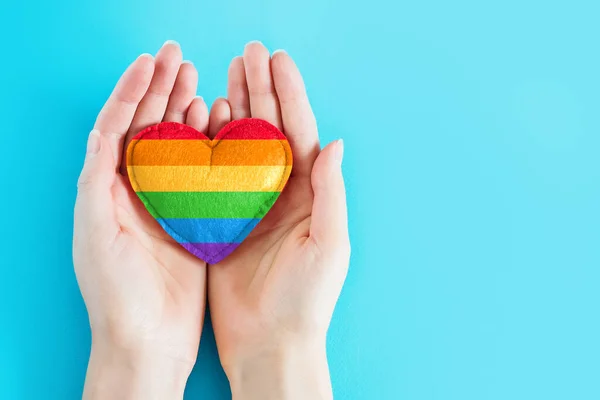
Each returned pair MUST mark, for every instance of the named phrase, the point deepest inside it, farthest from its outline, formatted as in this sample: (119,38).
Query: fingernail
(279,51)
(253,42)
(146,55)
(339,151)
(187,62)
(93,145)
(171,42)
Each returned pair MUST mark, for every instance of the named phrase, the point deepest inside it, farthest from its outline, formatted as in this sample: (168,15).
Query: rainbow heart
(209,194)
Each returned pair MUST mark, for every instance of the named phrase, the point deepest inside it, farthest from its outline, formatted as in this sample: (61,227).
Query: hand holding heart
(271,299)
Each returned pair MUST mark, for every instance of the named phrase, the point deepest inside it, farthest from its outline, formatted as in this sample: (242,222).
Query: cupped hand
(272,299)
(145,294)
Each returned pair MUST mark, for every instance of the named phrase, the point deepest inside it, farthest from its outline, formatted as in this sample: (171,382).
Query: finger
(299,124)
(183,93)
(93,209)
(115,117)
(197,115)
(151,109)
(220,115)
(263,99)
(329,220)
(237,90)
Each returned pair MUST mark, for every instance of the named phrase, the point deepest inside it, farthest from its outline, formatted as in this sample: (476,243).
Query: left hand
(144,293)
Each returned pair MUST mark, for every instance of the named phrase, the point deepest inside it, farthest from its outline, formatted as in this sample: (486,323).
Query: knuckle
(262,91)
(84,182)
(343,247)
(336,247)
(346,246)
(160,92)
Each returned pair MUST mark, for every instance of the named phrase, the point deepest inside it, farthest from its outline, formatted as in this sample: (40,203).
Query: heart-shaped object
(209,194)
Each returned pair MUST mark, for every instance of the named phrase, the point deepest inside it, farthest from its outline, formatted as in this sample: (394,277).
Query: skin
(271,301)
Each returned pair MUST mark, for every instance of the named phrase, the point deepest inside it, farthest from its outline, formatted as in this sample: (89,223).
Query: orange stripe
(205,178)
(199,152)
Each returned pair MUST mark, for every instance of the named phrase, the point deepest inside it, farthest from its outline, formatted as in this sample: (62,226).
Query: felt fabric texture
(209,194)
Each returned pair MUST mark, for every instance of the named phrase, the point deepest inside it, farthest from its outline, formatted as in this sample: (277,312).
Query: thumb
(94,206)
(329,221)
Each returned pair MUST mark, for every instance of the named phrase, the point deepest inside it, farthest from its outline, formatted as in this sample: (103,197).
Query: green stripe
(208,204)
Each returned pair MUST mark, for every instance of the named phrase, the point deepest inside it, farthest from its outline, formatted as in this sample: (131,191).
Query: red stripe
(248,128)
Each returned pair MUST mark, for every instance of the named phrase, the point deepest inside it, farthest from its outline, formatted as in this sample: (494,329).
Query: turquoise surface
(472,135)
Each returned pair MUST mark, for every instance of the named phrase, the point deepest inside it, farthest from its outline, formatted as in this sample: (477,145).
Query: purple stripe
(212,253)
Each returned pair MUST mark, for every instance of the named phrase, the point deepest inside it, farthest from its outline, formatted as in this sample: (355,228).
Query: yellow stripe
(208,178)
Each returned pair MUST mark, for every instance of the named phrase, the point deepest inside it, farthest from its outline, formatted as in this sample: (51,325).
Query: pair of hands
(271,301)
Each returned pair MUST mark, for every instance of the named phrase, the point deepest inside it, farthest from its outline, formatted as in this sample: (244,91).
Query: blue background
(472,140)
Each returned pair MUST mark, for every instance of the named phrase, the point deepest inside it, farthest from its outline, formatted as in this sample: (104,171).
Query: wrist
(288,372)
(118,373)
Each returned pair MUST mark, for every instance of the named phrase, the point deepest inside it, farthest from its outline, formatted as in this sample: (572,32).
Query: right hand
(272,299)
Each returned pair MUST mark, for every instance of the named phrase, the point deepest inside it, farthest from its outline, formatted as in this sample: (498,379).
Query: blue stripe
(208,230)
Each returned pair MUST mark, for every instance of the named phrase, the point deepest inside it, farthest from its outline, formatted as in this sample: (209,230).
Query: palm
(291,209)
(174,269)
(166,303)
